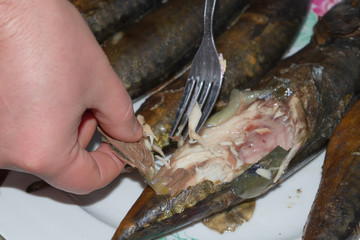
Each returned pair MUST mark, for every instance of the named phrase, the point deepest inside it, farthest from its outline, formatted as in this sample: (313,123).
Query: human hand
(56,85)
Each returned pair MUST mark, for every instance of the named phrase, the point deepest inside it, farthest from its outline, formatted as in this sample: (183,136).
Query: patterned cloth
(320,7)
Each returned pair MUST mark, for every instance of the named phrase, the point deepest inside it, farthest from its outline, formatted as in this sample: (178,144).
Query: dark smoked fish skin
(338,41)
(324,75)
(251,46)
(162,42)
(109,16)
(335,213)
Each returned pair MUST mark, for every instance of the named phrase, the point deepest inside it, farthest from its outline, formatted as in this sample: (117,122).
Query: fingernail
(137,127)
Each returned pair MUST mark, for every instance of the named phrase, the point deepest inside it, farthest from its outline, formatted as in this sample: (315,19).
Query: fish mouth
(228,148)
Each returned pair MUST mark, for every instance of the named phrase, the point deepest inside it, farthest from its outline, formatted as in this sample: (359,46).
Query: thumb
(115,114)
(87,171)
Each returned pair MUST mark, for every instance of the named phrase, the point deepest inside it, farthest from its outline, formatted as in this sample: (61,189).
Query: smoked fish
(277,127)
(335,213)
(107,17)
(147,53)
(250,47)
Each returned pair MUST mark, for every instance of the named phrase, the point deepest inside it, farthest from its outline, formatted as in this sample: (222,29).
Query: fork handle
(208,18)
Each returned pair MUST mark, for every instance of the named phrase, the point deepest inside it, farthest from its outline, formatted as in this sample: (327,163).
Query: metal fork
(204,81)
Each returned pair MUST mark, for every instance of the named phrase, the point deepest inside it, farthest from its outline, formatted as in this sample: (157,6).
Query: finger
(88,171)
(114,110)
(86,128)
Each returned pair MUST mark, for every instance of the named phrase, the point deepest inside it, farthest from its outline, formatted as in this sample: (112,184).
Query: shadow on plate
(100,194)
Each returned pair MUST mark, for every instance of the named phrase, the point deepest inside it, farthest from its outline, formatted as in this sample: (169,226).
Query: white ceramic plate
(280,214)
(52,214)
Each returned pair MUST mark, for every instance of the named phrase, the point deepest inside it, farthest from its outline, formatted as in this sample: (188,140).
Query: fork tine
(189,87)
(210,102)
(204,94)
(194,98)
